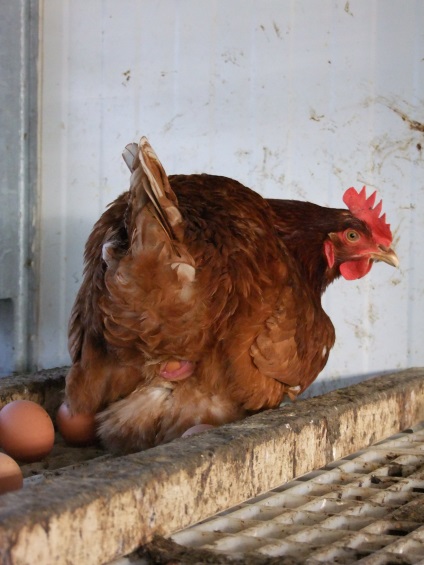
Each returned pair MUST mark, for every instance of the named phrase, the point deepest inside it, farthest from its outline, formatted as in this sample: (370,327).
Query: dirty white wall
(18,179)
(297,99)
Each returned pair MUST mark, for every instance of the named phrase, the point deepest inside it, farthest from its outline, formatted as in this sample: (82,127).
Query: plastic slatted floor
(367,508)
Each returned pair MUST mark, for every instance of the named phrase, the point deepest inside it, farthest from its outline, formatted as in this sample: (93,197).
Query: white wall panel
(296,99)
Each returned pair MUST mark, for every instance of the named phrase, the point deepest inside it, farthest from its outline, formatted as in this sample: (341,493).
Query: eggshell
(78,429)
(26,430)
(10,474)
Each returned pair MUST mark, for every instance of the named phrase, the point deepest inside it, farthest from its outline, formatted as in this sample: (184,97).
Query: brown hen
(201,301)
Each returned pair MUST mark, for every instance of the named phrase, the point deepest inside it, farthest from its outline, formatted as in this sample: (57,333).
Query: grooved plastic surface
(367,508)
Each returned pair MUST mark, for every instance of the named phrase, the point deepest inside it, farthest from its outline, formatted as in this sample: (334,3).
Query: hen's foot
(176,370)
(197,429)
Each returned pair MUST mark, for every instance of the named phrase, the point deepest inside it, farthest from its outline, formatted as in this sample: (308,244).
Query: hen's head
(364,239)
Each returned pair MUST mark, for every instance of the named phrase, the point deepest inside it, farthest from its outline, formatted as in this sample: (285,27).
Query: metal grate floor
(367,508)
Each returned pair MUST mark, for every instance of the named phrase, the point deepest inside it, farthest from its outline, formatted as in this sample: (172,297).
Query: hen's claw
(197,429)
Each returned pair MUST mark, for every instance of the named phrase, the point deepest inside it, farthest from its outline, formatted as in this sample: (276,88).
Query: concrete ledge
(106,508)
(45,388)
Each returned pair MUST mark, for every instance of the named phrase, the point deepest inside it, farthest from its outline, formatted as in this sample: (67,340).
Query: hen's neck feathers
(304,227)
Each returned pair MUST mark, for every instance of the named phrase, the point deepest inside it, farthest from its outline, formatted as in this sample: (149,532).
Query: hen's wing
(294,345)
(281,343)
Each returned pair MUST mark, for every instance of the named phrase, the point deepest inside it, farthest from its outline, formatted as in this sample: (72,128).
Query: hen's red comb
(362,208)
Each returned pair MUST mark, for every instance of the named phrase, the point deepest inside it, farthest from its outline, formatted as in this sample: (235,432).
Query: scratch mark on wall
(277,30)
(262,28)
(385,147)
(313,115)
(413,124)
(170,124)
(347,9)
(372,313)
(127,76)
(361,333)
(232,56)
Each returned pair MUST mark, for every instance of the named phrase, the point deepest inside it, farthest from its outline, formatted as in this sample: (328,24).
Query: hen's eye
(351,236)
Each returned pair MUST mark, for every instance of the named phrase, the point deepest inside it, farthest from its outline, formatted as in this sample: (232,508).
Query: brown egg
(26,430)
(10,474)
(78,429)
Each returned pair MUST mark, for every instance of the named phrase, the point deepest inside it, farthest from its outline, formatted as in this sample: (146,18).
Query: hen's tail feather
(129,155)
(149,183)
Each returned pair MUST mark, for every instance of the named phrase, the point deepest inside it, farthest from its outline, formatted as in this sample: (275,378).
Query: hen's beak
(387,255)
